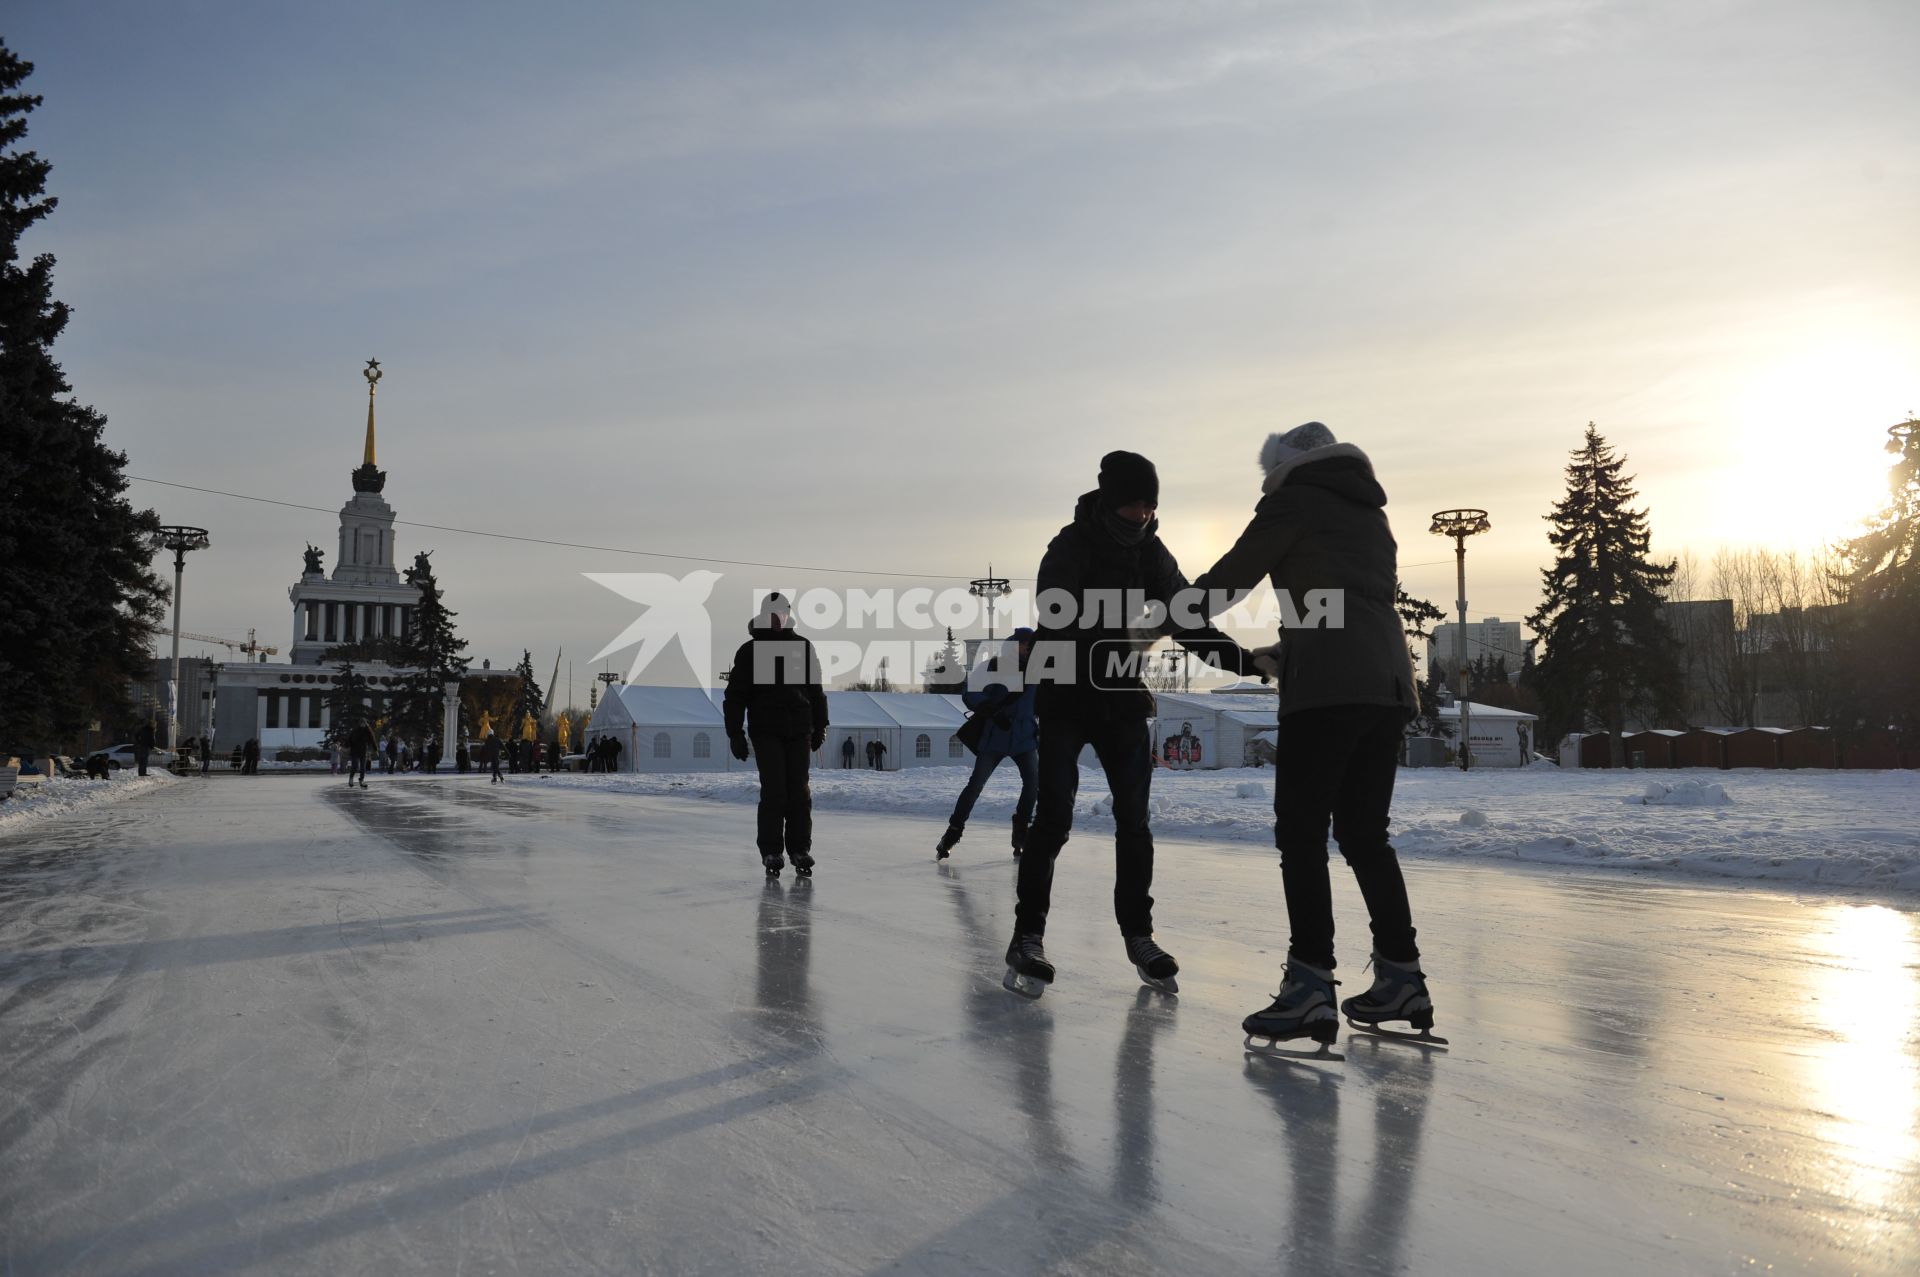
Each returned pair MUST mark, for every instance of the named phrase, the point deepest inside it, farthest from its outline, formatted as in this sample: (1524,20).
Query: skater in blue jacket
(998,693)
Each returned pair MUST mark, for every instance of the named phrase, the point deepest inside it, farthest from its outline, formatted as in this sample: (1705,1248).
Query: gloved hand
(818,739)
(739,746)
(1265,661)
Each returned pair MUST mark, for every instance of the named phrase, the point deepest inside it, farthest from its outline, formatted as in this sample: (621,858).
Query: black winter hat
(1126,477)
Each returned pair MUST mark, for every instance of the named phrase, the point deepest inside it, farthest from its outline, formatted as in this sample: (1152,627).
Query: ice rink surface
(437,1026)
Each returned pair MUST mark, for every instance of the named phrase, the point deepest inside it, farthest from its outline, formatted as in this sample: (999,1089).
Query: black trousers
(786,800)
(1339,763)
(1125,751)
(356,766)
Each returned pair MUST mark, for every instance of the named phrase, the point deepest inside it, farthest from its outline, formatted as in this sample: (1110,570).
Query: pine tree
(529,701)
(78,601)
(347,702)
(946,669)
(1415,616)
(1608,653)
(431,654)
(1881,577)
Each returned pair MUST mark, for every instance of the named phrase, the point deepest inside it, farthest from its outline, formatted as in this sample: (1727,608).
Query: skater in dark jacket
(1087,660)
(774,699)
(359,752)
(1346,696)
(1004,698)
(490,755)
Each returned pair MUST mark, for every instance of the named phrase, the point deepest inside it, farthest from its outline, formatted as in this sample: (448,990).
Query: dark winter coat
(1012,726)
(360,739)
(1322,525)
(774,689)
(1071,659)
(143,736)
(490,750)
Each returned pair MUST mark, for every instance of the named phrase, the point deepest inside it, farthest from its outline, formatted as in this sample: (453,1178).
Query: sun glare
(1862,1078)
(1806,439)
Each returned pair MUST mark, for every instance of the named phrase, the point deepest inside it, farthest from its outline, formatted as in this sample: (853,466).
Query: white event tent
(683,729)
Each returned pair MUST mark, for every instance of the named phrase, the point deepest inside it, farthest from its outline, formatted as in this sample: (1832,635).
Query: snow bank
(1684,793)
(37,799)
(1828,828)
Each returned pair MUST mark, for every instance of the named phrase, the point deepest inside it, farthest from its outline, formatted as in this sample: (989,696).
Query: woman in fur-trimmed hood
(1346,695)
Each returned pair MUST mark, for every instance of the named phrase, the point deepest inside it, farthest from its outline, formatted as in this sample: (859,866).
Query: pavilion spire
(369,477)
(372,375)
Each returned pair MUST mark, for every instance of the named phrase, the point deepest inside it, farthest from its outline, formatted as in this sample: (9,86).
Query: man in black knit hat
(1088,657)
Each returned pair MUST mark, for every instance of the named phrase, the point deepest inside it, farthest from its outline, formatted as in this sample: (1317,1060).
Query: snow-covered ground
(278,1026)
(1828,828)
(37,799)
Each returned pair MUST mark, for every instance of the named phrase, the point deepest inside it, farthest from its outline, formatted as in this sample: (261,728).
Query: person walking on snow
(1088,664)
(1005,699)
(142,745)
(1346,696)
(846,753)
(774,698)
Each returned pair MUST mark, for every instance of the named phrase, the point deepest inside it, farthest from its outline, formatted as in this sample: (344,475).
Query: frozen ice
(275,1026)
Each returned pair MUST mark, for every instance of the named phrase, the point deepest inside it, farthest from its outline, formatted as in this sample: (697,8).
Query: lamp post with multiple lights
(1461,524)
(181,540)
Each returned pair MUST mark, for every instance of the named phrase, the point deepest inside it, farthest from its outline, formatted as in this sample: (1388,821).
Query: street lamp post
(1461,524)
(180,540)
(991,588)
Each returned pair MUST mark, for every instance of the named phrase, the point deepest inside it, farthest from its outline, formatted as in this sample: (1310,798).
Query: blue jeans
(984,766)
(1126,755)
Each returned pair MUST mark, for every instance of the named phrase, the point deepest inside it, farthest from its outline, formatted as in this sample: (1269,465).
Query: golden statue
(529,730)
(486,724)
(566,734)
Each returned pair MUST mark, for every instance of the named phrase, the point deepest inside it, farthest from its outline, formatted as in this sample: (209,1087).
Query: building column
(259,716)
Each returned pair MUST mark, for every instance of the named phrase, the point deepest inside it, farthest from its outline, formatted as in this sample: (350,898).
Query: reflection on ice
(1863,1077)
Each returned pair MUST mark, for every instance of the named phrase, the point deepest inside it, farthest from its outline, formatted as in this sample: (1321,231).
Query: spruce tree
(1881,577)
(347,702)
(78,601)
(946,669)
(431,654)
(529,701)
(1608,652)
(1415,616)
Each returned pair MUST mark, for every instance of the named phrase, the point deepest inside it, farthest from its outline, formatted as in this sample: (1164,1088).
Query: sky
(869,288)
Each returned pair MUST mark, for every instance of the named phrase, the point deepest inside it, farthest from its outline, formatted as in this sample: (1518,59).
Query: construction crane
(233,645)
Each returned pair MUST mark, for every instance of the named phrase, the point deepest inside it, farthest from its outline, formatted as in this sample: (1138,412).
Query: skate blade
(1424,1037)
(1168,985)
(1272,1049)
(1026,986)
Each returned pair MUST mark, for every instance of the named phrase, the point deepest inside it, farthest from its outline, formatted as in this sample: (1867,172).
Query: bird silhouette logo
(675,611)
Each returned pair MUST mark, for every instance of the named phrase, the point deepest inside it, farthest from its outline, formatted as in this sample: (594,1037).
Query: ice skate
(1399,992)
(1302,1009)
(1155,965)
(1028,971)
(947,842)
(774,865)
(802,864)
